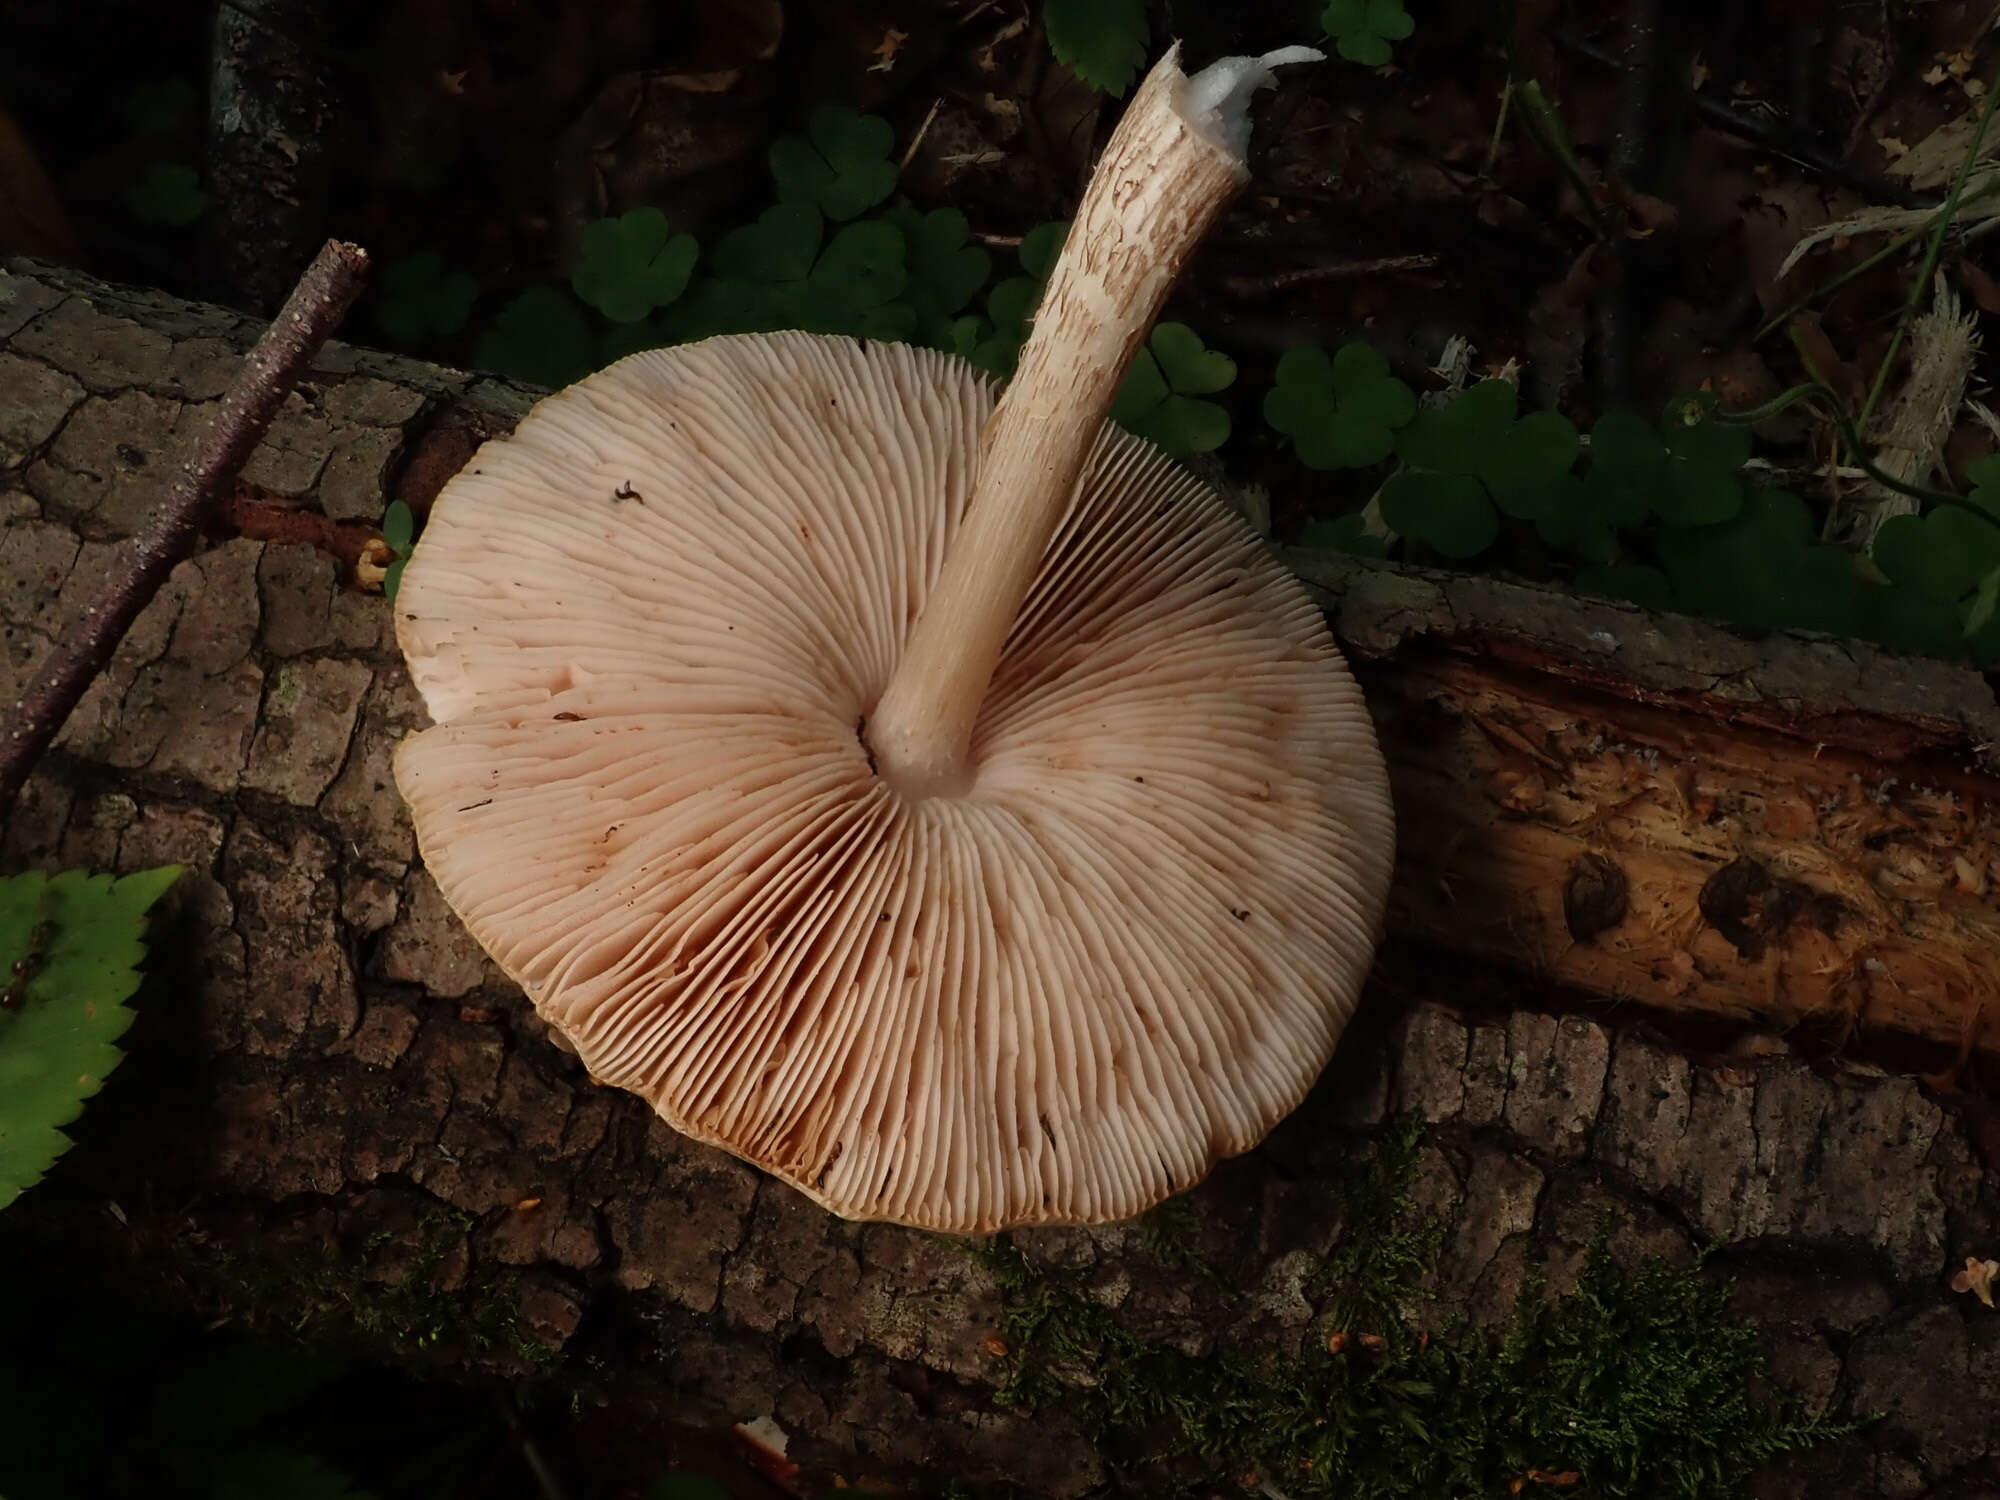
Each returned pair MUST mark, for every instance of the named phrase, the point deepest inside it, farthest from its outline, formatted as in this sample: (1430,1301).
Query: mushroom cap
(649,626)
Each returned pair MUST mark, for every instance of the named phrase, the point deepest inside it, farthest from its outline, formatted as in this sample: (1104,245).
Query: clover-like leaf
(780,246)
(70,949)
(1041,246)
(418,299)
(1449,512)
(759,277)
(1985,476)
(168,193)
(1523,469)
(1764,568)
(1010,306)
(945,270)
(855,284)
(1340,413)
(1160,399)
(1574,519)
(541,337)
(1907,619)
(632,265)
(1361,30)
(1102,41)
(841,164)
(1979,609)
(1701,484)
(1942,556)
(1627,473)
(1457,438)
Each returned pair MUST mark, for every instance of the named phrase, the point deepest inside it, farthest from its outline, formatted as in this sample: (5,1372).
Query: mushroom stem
(1174,161)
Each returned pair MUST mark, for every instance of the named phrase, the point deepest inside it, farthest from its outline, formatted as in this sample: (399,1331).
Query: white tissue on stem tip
(765,1433)
(1218,97)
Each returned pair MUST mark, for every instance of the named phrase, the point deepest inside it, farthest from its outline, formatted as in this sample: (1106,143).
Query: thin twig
(1920,289)
(1333,270)
(310,315)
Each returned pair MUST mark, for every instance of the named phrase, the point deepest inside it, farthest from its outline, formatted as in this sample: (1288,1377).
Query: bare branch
(310,315)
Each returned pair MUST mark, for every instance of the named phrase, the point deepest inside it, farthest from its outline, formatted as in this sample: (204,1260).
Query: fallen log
(1651,808)
(332,1092)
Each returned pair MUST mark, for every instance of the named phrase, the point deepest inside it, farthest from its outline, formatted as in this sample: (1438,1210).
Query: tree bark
(332,1094)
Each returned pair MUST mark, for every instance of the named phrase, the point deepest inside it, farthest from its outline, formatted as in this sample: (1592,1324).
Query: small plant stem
(1163,179)
(1546,126)
(1851,440)
(1499,126)
(1827,289)
(1921,288)
(317,304)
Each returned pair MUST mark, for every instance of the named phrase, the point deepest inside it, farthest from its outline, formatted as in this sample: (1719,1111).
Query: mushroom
(951,808)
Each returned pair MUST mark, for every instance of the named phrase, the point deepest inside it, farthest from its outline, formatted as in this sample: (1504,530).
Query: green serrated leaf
(541,337)
(1450,512)
(419,299)
(1102,41)
(840,166)
(632,265)
(70,949)
(168,193)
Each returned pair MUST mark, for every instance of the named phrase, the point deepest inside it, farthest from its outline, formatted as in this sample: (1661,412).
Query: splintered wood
(1677,859)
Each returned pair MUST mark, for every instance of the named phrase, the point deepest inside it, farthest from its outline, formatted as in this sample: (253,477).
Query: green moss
(333,1296)
(1632,1384)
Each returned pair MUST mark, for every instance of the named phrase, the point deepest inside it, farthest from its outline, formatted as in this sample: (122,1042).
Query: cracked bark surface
(329,1064)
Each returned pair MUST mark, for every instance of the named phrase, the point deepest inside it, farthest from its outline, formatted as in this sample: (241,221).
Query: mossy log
(333,1095)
